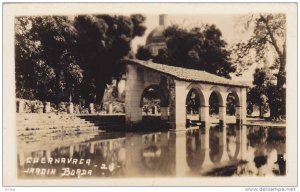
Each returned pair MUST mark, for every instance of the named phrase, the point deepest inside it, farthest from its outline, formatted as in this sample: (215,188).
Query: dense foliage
(71,58)
(268,37)
(257,94)
(200,48)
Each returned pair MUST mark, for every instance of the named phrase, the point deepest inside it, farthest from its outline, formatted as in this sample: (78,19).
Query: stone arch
(233,132)
(218,91)
(198,89)
(236,152)
(234,92)
(218,145)
(192,119)
(220,94)
(162,96)
(237,102)
(194,152)
(222,154)
(215,148)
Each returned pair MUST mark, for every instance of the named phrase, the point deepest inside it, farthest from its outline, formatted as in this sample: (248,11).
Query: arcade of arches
(174,85)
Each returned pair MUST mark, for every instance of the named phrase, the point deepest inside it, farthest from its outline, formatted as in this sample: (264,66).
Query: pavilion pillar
(222,109)
(238,152)
(222,115)
(177,147)
(180,111)
(134,165)
(181,164)
(204,115)
(243,149)
(222,136)
(134,89)
(243,105)
(206,162)
(204,108)
(238,112)
(223,144)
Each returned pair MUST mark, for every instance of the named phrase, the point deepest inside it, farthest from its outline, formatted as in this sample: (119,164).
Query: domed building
(156,40)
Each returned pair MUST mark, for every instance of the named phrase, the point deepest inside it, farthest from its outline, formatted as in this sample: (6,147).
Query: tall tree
(268,36)
(44,55)
(59,58)
(201,48)
(257,94)
(143,53)
(25,50)
(103,41)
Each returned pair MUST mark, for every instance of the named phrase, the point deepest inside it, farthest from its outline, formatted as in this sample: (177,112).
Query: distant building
(156,40)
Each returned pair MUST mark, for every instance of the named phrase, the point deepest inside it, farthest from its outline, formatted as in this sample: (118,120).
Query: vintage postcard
(150,94)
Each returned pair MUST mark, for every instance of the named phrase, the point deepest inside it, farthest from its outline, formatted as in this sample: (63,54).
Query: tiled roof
(188,74)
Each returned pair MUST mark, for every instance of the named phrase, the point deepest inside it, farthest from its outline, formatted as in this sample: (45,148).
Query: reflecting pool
(212,150)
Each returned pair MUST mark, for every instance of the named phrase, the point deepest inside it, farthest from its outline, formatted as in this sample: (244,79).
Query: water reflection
(212,150)
(266,147)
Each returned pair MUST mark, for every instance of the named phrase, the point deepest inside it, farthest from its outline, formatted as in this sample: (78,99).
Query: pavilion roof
(185,74)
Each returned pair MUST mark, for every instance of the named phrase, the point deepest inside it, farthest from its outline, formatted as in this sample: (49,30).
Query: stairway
(29,124)
(106,122)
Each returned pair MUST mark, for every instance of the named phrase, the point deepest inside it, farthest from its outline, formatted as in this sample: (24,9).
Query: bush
(98,108)
(62,107)
(119,108)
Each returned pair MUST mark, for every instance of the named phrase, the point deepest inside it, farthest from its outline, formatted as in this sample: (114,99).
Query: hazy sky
(228,24)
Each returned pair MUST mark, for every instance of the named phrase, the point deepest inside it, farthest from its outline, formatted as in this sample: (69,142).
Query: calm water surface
(208,151)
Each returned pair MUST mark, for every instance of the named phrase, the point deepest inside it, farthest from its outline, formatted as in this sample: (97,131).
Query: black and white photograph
(150,94)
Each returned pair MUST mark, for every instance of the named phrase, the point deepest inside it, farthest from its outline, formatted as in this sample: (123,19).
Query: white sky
(228,24)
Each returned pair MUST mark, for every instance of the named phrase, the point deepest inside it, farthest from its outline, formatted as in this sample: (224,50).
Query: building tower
(156,40)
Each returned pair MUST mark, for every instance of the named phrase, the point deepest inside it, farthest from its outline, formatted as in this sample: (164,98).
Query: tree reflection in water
(211,150)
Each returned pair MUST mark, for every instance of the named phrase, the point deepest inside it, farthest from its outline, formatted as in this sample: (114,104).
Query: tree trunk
(58,91)
(281,80)
(281,73)
(100,92)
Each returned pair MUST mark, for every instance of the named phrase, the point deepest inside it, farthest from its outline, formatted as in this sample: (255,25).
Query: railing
(36,106)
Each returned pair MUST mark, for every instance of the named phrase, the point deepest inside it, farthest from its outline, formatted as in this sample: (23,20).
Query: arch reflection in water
(234,142)
(210,150)
(221,142)
(212,146)
(194,149)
